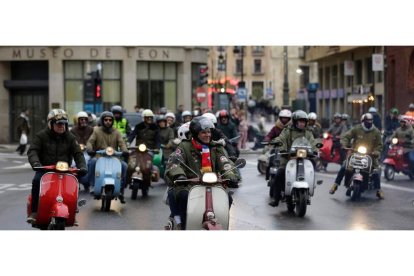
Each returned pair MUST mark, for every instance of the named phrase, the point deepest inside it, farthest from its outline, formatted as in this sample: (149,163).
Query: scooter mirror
(319,145)
(81,202)
(240,163)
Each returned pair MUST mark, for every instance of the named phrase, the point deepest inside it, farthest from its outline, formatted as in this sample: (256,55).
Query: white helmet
(82,114)
(372,110)
(170,114)
(147,113)
(211,117)
(186,113)
(183,130)
(285,113)
(312,116)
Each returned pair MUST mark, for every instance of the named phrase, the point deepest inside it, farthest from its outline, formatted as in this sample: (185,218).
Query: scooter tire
(145,192)
(389,172)
(261,167)
(289,204)
(134,192)
(356,191)
(301,203)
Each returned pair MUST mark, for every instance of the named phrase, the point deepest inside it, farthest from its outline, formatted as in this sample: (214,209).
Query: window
(76,72)
(341,76)
(327,77)
(304,76)
(238,67)
(358,72)
(334,76)
(369,72)
(157,85)
(257,66)
(257,90)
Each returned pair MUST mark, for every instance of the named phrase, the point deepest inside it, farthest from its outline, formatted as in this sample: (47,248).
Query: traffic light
(203,78)
(98,87)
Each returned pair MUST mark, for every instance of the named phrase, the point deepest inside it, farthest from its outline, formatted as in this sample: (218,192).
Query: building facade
(41,78)
(262,69)
(348,81)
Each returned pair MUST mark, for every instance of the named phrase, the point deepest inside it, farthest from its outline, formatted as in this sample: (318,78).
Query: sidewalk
(9,147)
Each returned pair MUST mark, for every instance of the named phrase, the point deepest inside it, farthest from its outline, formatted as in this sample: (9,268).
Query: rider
(336,130)
(166,137)
(391,124)
(297,129)
(120,123)
(82,130)
(410,111)
(201,156)
(186,116)
(283,121)
(405,135)
(228,128)
(102,137)
(49,146)
(146,132)
(346,122)
(377,118)
(314,126)
(172,123)
(368,135)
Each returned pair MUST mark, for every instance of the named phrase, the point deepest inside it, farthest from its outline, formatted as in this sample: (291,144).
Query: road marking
(15,187)
(23,166)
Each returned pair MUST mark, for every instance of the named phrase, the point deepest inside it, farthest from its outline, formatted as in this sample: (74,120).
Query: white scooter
(208,201)
(300,176)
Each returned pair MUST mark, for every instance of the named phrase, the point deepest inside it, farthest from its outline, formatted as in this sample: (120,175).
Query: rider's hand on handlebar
(91,152)
(37,164)
(82,172)
(125,154)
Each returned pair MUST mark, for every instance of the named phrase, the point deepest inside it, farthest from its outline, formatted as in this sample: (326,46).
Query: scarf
(205,156)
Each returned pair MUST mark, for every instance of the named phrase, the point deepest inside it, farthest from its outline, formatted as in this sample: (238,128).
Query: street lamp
(285,79)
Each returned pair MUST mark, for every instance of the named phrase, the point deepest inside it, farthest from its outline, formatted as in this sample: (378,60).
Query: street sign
(242,94)
(201,94)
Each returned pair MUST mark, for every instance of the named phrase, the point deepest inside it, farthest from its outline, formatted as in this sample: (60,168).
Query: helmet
(147,113)
(285,113)
(161,118)
(395,111)
(170,114)
(337,115)
(299,115)
(185,113)
(411,105)
(402,118)
(57,116)
(104,115)
(367,126)
(163,110)
(198,124)
(345,116)
(223,113)
(372,110)
(183,131)
(211,117)
(82,114)
(117,109)
(312,116)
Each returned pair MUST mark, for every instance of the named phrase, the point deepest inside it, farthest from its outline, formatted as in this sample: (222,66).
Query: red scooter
(58,198)
(396,161)
(325,153)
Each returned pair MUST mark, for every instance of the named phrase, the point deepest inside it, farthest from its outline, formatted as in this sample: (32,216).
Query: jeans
(375,177)
(36,190)
(91,172)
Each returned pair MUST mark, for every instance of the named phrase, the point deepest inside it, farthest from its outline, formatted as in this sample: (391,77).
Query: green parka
(192,158)
(371,139)
(290,134)
(405,137)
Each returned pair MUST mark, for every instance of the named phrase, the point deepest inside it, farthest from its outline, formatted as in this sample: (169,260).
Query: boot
(274,203)
(380,194)
(121,196)
(333,188)
(32,218)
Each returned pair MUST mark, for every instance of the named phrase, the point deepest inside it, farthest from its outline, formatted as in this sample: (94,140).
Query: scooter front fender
(59,210)
(389,161)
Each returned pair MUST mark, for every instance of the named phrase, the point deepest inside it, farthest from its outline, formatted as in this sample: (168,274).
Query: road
(250,210)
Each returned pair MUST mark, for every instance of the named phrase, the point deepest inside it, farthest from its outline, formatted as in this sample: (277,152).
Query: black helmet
(299,115)
(163,110)
(104,115)
(117,109)
(161,118)
(198,124)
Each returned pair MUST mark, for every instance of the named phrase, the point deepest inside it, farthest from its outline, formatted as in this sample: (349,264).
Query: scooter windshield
(302,143)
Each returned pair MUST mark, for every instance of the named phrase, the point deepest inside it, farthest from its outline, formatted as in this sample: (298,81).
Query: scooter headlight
(109,151)
(142,147)
(82,147)
(362,149)
(137,169)
(301,153)
(62,166)
(325,135)
(209,178)
(394,141)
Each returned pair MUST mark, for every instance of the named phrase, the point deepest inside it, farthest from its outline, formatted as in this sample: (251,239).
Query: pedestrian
(23,130)
(243,128)
(251,106)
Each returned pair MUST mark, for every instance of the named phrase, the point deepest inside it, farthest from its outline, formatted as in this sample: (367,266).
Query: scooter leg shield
(60,210)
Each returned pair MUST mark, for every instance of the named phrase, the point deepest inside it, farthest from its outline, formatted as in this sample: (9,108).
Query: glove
(177,141)
(37,164)
(82,172)
(233,158)
(181,177)
(222,142)
(375,154)
(125,154)
(91,152)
